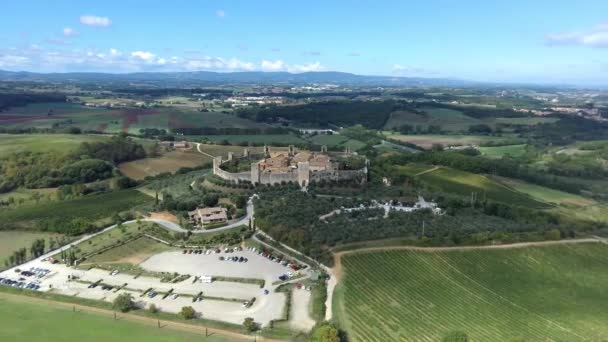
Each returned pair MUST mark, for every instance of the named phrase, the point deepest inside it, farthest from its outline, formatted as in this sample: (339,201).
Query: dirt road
(197,329)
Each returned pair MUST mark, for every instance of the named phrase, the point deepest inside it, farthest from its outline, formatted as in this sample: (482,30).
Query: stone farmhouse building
(303,167)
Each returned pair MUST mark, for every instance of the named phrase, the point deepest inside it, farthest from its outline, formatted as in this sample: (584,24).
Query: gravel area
(300,315)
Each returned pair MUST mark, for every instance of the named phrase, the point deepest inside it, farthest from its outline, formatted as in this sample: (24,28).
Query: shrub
(124,302)
(187,312)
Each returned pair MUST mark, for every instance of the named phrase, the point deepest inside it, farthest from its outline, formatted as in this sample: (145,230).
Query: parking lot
(228,297)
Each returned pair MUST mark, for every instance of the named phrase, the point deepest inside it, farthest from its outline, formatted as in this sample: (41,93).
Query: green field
(166,162)
(528,121)
(547,195)
(134,252)
(93,207)
(553,293)
(448,119)
(427,140)
(501,151)
(58,143)
(465,183)
(26,320)
(268,139)
(10,241)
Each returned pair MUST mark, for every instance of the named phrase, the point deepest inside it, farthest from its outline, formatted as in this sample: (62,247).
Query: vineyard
(553,293)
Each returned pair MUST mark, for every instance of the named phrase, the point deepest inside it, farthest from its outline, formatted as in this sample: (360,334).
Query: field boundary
(337,269)
(197,329)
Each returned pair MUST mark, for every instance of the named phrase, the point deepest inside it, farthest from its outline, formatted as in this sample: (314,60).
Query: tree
(326,332)
(455,336)
(250,325)
(124,302)
(188,312)
(152,309)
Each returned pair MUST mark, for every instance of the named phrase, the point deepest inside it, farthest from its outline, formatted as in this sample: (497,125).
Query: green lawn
(91,207)
(133,252)
(465,183)
(24,320)
(555,293)
(501,151)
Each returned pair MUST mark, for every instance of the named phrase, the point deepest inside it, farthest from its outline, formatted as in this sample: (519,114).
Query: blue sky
(536,41)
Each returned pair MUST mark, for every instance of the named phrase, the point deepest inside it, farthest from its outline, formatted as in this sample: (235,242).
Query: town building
(205,216)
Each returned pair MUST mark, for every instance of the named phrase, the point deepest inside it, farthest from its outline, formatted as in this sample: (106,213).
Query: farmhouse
(206,216)
(302,167)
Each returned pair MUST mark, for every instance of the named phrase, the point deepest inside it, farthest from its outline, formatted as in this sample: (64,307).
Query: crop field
(29,320)
(60,143)
(222,150)
(547,195)
(22,195)
(465,183)
(528,121)
(448,119)
(10,241)
(167,162)
(269,139)
(92,207)
(550,293)
(501,151)
(413,169)
(427,141)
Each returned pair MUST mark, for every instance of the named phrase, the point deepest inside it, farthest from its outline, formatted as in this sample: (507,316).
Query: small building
(206,279)
(206,216)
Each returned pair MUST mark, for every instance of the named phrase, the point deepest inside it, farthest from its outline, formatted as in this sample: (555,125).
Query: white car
(175,296)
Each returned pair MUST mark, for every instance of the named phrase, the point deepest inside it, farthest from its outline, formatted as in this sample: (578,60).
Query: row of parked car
(234,259)
(38,272)
(20,284)
(289,264)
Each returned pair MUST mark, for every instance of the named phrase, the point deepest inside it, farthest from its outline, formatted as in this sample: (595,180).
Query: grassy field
(547,195)
(10,241)
(58,143)
(413,169)
(177,185)
(465,183)
(553,293)
(501,151)
(26,320)
(428,140)
(167,162)
(134,252)
(528,121)
(93,207)
(111,238)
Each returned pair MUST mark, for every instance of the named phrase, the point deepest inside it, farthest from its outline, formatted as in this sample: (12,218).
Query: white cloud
(114,52)
(220,13)
(145,55)
(305,67)
(218,63)
(92,20)
(69,32)
(277,65)
(596,38)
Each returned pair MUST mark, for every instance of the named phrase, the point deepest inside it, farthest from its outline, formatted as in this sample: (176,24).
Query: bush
(250,325)
(124,302)
(153,309)
(326,332)
(187,312)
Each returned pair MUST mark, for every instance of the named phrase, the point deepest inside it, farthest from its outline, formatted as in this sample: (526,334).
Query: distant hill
(209,77)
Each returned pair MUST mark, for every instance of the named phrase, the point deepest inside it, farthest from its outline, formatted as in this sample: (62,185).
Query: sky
(532,41)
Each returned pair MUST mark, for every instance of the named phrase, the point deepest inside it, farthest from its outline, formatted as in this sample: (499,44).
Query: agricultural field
(57,143)
(527,121)
(268,139)
(114,120)
(545,194)
(427,140)
(501,151)
(336,141)
(22,196)
(23,320)
(92,207)
(168,162)
(222,150)
(448,119)
(550,293)
(10,241)
(111,238)
(465,183)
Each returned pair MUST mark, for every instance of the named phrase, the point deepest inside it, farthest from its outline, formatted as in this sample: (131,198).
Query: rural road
(198,148)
